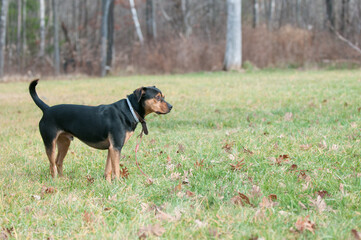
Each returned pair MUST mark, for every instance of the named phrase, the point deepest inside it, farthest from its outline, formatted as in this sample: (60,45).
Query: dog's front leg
(115,161)
(108,169)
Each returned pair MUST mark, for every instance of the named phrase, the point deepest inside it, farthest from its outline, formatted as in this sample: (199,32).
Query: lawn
(266,154)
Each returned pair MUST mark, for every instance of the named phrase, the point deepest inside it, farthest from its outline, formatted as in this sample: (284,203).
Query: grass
(216,118)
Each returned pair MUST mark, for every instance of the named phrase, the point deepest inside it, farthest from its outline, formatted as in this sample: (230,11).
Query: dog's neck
(138,108)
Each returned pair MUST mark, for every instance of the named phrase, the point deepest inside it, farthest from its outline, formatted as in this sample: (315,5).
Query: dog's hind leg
(63,143)
(49,135)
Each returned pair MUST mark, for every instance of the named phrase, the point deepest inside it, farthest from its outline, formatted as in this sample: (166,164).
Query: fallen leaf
(304,176)
(112,198)
(281,159)
(293,167)
(228,147)
(272,197)
(189,193)
(124,173)
(267,202)
(88,217)
(319,204)
(322,193)
(146,231)
(166,217)
(36,197)
(199,164)
(303,224)
(354,125)
(356,234)
(48,190)
(6,233)
(240,199)
(89,179)
(178,187)
(288,116)
(245,150)
(238,166)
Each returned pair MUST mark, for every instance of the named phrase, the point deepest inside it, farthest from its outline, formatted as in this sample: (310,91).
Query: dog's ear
(139,92)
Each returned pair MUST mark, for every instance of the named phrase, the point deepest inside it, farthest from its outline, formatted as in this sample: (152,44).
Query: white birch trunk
(233,55)
(136,22)
(42,28)
(3,19)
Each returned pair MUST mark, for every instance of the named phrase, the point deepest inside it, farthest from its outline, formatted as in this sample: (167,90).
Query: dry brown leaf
(175,176)
(238,166)
(356,234)
(267,203)
(240,199)
(48,190)
(199,164)
(319,204)
(146,231)
(88,217)
(89,179)
(293,167)
(190,194)
(303,224)
(232,157)
(124,173)
(178,187)
(322,193)
(334,147)
(228,147)
(245,150)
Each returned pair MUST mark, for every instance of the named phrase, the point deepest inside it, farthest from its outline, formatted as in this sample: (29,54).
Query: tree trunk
(344,15)
(270,12)
(56,38)
(233,55)
(329,14)
(42,29)
(110,36)
(136,22)
(23,62)
(18,36)
(3,20)
(150,19)
(104,38)
(255,14)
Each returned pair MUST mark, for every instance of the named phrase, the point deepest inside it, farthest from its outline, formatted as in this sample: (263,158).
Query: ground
(265,154)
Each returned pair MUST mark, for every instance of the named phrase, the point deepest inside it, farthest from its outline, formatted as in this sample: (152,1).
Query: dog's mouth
(161,113)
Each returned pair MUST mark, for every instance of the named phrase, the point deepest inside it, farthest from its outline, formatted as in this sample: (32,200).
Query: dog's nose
(170,107)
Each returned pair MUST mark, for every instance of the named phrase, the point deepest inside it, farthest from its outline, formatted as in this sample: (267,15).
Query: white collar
(132,110)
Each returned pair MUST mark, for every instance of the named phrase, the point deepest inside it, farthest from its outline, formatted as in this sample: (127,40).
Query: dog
(105,127)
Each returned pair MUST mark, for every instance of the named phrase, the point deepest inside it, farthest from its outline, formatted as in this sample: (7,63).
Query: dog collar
(132,111)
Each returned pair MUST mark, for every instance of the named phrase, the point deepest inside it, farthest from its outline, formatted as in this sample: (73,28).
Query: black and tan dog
(102,127)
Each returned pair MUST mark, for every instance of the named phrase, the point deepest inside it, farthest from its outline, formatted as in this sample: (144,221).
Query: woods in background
(99,37)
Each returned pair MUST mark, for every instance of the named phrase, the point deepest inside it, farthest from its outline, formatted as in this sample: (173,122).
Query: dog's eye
(158,98)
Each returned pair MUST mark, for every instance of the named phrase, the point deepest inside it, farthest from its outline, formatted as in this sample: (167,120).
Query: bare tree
(42,28)
(255,13)
(18,35)
(233,56)
(24,34)
(110,36)
(136,22)
(329,14)
(56,37)
(150,20)
(104,34)
(3,19)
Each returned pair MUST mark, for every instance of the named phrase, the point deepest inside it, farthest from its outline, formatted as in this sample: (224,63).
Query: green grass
(210,110)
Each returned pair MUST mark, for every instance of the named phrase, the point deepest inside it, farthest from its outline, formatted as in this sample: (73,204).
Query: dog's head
(152,100)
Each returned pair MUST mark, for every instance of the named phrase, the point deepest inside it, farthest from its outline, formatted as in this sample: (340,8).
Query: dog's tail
(35,96)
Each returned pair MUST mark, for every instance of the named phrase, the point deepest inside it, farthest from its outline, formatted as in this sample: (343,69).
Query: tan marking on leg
(63,143)
(50,152)
(108,169)
(127,136)
(115,158)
